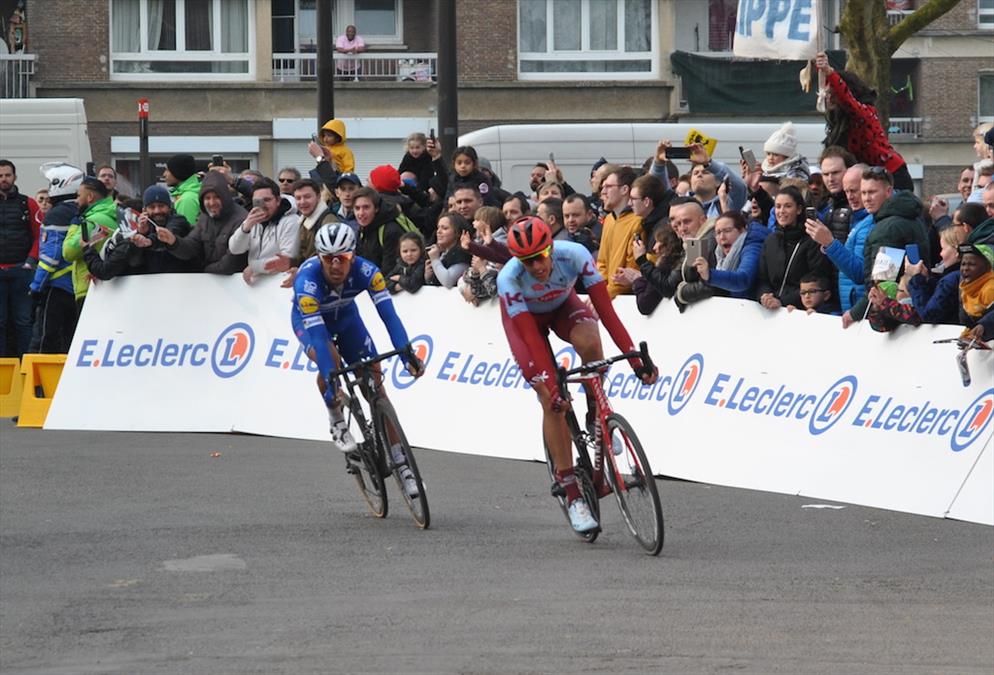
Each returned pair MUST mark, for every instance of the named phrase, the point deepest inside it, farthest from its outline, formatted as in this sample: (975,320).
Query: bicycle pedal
(558,491)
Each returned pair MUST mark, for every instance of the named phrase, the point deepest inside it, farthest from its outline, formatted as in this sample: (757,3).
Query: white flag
(777,29)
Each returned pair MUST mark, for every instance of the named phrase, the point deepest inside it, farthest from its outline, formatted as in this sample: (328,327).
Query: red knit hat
(385,179)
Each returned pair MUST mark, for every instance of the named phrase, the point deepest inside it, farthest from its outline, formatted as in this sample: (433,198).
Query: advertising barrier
(776,401)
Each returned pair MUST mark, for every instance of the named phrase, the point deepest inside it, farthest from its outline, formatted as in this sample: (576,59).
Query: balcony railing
(906,126)
(15,75)
(895,16)
(369,67)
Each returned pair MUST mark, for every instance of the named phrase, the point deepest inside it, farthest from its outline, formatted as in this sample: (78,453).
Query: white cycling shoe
(342,437)
(410,482)
(580,516)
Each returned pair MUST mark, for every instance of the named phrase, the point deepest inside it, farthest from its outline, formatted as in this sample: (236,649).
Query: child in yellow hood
(333,139)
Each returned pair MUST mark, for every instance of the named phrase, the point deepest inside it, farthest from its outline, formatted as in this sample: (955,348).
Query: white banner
(749,398)
(777,29)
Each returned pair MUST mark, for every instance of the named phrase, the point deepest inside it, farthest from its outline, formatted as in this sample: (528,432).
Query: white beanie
(783,141)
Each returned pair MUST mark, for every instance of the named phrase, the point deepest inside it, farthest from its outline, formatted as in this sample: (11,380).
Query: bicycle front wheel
(630,476)
(397,451)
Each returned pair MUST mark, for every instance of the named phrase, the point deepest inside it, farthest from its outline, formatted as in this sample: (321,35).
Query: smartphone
(552,158)
(678,152)
(811,213)
(431,133)
(693,248)
(314,137)
(258,202)
(217,160)
(914,256)
(750,158)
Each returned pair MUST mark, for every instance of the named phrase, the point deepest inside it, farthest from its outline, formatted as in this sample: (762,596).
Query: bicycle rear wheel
(586,489)
(387,427)
(630,476)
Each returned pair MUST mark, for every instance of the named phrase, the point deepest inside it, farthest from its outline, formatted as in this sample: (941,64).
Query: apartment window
(295,23)
(985,91)
(588,39)
(985,13)
(182,39)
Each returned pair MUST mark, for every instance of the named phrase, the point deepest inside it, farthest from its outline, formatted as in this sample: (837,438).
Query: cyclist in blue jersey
(326,320)
(536,294)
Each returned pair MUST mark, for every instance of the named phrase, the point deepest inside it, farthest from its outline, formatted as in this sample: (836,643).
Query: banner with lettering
(777,29)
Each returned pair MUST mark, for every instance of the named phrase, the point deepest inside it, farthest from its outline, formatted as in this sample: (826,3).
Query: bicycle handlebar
(603,364)
(408,351)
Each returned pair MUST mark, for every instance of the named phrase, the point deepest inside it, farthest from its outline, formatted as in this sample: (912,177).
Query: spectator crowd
(774,231)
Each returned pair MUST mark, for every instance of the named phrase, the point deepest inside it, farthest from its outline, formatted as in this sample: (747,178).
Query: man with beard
(140,250)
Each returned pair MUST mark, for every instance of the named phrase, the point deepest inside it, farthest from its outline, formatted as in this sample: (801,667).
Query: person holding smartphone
(269,233)
(789,254)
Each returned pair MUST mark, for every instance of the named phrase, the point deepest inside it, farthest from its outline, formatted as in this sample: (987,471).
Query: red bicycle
(619,464)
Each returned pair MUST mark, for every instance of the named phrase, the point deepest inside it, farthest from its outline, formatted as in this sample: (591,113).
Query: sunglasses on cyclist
(340,258)
(541,255)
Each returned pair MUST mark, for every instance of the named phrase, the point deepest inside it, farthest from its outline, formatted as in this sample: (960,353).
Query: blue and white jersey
(316,301)
(521,292)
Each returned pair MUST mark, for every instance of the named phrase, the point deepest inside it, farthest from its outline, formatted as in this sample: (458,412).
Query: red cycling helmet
(528,236)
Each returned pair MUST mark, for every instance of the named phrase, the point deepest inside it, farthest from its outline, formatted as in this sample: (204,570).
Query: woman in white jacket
(269,233)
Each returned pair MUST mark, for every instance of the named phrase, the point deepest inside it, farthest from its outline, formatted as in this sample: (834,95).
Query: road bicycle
(619,464)
(383,448)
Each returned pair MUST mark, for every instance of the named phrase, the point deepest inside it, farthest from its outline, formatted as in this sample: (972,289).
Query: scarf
(792,167)
(977,296)
(730,261)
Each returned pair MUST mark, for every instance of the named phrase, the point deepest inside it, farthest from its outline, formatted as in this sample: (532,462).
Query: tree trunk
(871,41)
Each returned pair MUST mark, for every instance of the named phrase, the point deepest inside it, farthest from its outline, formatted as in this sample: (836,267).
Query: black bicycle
(383,448)
(619,463)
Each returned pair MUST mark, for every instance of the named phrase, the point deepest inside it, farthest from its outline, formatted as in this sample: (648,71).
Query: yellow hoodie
(340,154)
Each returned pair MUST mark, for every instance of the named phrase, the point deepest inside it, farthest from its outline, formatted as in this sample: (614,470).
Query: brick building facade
(504,77)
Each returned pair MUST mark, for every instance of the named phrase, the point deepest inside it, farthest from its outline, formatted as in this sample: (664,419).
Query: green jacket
(186,198)
(101,213)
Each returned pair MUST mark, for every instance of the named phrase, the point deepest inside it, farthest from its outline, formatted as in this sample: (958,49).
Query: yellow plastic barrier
(11,383)
(41,377)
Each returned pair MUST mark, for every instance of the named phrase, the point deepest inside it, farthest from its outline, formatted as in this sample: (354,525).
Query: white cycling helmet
(334,238)
(63,179)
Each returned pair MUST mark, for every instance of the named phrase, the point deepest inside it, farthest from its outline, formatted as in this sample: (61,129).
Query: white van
(514,149)
(34,131)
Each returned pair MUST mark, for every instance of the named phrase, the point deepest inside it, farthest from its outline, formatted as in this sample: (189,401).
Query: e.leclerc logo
(685,383)
(423,348)
(974,421)
(229,355)
(831,406)
(232,350)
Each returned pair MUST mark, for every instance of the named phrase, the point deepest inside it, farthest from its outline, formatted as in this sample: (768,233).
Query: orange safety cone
(11,384)
(41,378)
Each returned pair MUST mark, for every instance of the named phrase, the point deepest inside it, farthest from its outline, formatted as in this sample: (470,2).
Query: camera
(839,222)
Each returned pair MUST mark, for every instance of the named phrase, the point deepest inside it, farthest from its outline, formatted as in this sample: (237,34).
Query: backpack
(406,224)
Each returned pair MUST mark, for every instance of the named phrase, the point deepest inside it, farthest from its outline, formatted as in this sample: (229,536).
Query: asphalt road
(142,553)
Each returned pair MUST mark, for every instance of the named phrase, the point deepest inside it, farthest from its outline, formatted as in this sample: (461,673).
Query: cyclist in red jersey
(536,295)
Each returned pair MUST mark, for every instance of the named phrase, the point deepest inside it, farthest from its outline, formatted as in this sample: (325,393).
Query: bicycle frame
(591,375)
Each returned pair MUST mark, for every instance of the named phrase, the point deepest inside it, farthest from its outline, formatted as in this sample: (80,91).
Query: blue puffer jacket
(848,258)
(740,281)
(52,268)
(936,300)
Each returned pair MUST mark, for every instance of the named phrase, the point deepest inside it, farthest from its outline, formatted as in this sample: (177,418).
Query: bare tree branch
(914,22)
